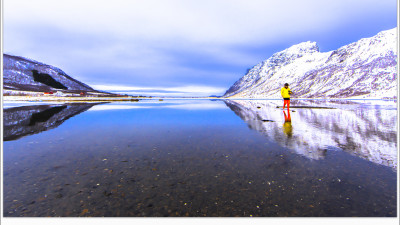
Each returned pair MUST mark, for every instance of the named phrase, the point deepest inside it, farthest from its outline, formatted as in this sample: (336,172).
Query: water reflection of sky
(177,104)
(157,158)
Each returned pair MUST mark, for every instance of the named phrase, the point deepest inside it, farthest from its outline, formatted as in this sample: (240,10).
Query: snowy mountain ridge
(24,74)
(366,68)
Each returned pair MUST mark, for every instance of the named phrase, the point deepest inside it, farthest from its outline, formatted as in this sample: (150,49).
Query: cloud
(177,42)
(221,21)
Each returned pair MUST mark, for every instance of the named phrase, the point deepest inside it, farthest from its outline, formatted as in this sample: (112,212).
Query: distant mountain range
(363,69)
(24,74)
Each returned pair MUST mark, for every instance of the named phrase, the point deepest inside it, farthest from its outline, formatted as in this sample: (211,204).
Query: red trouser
(286,102)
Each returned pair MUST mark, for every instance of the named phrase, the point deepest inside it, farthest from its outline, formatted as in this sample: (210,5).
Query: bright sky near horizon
(179,47)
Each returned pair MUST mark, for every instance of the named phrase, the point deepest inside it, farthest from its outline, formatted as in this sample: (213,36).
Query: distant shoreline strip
(308,107)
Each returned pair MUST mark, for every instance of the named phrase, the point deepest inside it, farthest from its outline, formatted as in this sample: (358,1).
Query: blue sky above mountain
(196,47)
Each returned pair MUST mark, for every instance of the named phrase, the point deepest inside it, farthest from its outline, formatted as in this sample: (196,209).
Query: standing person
(285,92)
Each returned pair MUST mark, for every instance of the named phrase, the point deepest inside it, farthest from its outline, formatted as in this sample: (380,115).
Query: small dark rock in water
(57,167)
(267,120)
(107,193)
(59,196)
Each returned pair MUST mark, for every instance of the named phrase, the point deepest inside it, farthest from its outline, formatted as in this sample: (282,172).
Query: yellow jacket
(285,92)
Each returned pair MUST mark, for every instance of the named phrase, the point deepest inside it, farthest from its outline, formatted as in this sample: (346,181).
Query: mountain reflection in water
(27,120)
(362,130)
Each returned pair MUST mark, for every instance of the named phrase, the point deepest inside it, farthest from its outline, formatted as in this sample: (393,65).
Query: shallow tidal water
(201,158)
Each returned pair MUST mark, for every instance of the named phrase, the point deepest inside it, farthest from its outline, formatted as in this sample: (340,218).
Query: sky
(179,47)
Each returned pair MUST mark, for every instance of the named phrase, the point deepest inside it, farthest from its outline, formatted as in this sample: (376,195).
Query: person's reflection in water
(287,125)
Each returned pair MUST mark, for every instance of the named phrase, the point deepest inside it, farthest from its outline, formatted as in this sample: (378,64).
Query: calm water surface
(201,158)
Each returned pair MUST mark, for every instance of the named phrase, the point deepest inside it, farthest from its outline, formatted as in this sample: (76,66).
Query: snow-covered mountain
(363,130)
(366,68)
(28,75)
